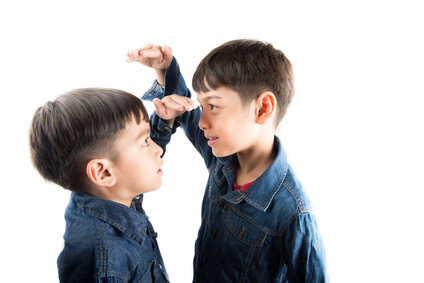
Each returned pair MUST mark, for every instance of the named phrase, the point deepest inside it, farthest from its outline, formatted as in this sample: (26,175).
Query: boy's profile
(257,224)
(96,143)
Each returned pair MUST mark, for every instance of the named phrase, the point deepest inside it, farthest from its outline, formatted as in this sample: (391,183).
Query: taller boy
(257,223)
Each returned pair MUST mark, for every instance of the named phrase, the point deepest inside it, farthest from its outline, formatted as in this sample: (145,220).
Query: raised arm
(172,111)
(174,99)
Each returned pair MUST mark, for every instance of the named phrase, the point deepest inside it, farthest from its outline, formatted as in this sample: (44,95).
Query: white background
(353,132)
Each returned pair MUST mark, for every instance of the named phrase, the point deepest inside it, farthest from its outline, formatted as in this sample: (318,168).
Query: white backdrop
(353,132)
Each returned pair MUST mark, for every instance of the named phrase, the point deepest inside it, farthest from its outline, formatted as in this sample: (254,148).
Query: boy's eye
(146,142)
(211,107)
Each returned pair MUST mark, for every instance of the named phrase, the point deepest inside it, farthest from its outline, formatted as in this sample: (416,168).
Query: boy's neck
(105,193)
(254,161)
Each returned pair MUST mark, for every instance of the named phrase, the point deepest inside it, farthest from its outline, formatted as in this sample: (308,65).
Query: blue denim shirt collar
(263,190)
(131,221)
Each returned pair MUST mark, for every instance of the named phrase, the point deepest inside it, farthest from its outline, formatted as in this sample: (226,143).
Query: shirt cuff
(161,125)
(155,91)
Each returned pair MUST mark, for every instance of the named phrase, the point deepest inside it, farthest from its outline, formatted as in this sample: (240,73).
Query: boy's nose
(159,150)
(203,125)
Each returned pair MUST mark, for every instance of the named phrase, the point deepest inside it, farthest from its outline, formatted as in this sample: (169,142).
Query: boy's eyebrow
(143,133)
(211,96)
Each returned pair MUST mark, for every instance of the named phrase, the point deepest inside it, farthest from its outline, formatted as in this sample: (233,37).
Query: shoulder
(289,202)
(295,193)
(99,253)
(95,249)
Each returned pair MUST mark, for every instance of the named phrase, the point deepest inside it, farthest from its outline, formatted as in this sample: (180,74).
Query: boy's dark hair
(75,128)
(249,67)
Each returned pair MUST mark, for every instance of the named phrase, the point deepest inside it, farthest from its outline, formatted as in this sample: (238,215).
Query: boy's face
(227,123)
(137,167)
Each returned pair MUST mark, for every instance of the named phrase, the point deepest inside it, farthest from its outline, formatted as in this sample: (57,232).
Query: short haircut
(77,127)
(249,67)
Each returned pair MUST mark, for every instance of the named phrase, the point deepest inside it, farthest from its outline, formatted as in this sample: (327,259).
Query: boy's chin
(158,186)
(153,188)
(218,153)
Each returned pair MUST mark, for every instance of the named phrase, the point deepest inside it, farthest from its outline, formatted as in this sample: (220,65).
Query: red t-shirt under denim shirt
(243,188)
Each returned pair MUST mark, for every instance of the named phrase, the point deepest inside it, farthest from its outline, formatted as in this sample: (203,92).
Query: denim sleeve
(303,251)
(109,280)
(160,132)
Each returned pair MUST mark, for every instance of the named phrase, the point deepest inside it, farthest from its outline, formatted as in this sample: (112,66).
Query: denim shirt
(106,241)
(266,234)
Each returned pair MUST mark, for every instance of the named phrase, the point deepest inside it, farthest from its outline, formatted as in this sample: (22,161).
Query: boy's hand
(173,106)
(154,56)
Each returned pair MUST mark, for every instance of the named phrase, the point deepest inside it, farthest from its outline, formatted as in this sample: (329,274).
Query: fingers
(135,54)
(172,106)
(187,103)
(167,53)
(153,53)
(160,107)
(130,59)
(167,109)
(132,55)
(148,51)
(147,46)
(154,56)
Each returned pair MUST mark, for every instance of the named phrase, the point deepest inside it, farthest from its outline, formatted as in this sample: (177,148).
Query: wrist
(170,122)
(160,76)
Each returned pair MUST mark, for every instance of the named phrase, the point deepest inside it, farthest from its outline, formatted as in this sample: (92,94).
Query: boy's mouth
(212,141)
(160,171)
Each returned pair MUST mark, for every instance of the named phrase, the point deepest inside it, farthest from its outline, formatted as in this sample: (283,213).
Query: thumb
(167,53)
(160,107)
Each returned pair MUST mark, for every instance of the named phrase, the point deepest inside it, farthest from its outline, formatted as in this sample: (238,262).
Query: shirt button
(224,208)
(214,234)
(242,231)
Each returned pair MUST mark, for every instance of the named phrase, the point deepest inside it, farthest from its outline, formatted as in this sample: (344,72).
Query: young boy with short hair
(96,143)
(257,224)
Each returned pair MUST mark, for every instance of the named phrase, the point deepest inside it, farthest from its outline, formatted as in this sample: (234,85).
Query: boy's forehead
(221,93)
(218,93)
(143,131)
(208,96)
(143,127)
(136,131)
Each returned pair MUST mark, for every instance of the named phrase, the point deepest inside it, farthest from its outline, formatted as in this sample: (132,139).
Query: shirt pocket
(243,242)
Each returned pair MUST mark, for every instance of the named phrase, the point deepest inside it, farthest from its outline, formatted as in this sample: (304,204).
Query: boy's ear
(265,107)
(100,172)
